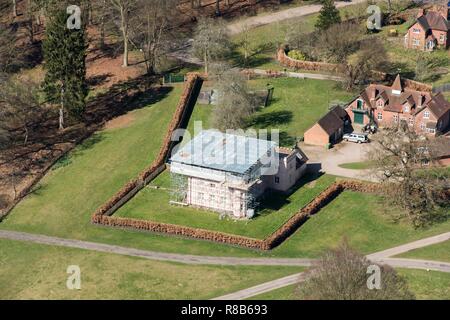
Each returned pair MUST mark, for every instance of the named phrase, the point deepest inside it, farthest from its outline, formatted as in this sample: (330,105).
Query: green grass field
(297,104)
(32,271)
(151,204)
(438,252)
(358,165)
(424,284)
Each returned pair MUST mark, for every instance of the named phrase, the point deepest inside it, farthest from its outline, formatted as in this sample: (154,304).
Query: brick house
(431,30)
(388,105)
(329,129)
(227,173)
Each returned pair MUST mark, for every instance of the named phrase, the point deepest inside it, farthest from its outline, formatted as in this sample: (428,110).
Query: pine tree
(328,15)
(65,64)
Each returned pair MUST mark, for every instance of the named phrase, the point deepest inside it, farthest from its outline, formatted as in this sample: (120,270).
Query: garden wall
(287,61)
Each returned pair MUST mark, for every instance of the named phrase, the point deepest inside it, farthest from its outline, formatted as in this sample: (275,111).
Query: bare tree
(342,274)
(402,159)
(20,108)
(152,30)
(210,41)
(9,53)
(124,9)
(234,104)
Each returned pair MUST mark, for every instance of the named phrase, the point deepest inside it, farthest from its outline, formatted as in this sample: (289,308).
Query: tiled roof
(331,122)
(433,21)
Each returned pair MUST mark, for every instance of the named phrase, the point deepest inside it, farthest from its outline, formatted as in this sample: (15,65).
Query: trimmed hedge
(275,239)
(154,169)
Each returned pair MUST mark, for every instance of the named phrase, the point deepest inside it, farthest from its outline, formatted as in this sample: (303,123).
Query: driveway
(344,152)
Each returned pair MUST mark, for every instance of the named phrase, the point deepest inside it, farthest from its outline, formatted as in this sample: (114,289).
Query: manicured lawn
(65,199)
(438,252)
(32,271)
(286,293)
(151,204)
(363,219)
(358,165)
(424,284)
(297,104)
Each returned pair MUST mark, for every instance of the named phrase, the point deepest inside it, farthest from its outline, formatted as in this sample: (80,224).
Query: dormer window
(406,108)
(396,92)
(380,103)
(359,104)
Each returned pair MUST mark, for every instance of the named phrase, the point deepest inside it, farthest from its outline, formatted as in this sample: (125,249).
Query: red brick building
(431,30)
(388,105)
(329,129)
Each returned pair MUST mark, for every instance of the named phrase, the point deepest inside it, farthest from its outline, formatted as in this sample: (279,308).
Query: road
(257,21)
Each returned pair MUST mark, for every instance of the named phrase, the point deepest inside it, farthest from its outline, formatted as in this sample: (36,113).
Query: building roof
(330,122)
(231,153)
(433,21)
(439,105)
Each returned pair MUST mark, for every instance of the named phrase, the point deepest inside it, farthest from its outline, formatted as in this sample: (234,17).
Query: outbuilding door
(359,118)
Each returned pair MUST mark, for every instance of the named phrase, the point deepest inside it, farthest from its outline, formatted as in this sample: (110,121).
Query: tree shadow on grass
(270,119)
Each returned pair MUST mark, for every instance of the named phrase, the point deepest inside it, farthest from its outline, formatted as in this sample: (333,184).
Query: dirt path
(253,22)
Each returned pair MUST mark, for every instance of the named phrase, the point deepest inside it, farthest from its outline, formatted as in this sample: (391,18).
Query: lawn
(66,197)
(151,204)
(297,104)
(363,165)
(32,271)
(363,219)
(438,252)
(431,285)
(428,285)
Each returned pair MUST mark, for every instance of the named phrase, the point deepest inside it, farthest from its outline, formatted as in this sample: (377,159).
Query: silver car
(356,137)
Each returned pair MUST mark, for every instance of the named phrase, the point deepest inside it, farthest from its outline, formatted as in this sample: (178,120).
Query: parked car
(356,137)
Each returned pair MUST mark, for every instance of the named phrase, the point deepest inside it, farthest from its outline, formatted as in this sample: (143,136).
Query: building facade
(228,173)
(388,105)
(430,31)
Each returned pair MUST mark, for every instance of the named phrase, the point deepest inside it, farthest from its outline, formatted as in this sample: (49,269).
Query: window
(380,116)
(426,115)
(442,38)
(200,196)
(431,130)
(411,121)
(406,108)
(396,118)
(212,185)
(380,103)
(359,104)
(277,179)
(422,126)
(415,30)
(212,197)
(416,42)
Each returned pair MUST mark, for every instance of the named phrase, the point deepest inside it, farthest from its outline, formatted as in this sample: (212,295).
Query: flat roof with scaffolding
(212,150)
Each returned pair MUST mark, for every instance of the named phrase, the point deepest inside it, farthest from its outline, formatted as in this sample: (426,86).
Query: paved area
(344,152)
(253,22)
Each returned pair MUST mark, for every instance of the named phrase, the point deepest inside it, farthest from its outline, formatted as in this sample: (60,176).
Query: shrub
(297,55)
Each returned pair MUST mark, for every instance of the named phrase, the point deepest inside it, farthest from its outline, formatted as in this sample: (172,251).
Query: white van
(356,137)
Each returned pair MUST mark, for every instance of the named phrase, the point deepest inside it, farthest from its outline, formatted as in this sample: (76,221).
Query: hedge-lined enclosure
(179,120)
(272,241)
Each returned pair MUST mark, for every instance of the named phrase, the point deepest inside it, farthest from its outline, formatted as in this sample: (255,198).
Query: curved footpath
(378,257)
